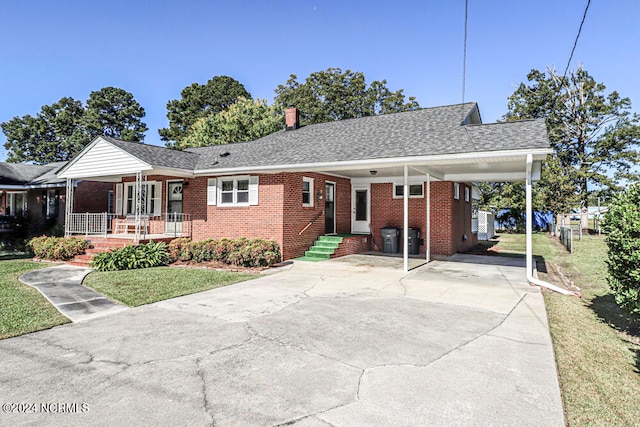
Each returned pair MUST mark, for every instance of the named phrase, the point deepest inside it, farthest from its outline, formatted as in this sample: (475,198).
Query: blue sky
(153,49)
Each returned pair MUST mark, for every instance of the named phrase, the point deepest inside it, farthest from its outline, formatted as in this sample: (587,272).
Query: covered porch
(146,200)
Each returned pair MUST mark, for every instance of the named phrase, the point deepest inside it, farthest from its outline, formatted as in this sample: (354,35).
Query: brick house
(35,192)
(412,169)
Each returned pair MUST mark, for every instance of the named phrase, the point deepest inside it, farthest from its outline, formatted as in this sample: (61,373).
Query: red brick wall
(297,217)
(91,196)
(450,218)
(280,215)
(353,245)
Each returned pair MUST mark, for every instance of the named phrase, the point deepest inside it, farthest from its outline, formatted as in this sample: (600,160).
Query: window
(152,195)
(238,191)
(50,203)
(466,194)
(456,191)
(131,203)
(307,192)
(16,204)
(415,191)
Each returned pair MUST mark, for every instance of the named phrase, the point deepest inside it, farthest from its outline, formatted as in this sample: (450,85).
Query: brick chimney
(293,118)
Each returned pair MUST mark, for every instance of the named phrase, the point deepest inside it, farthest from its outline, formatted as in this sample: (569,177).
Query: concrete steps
(324,247)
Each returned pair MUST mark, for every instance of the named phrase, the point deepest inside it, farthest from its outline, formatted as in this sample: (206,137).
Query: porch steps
(322,249)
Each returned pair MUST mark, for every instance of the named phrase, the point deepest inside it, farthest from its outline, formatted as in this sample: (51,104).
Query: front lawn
(597,345)
(22,308)
(149,285)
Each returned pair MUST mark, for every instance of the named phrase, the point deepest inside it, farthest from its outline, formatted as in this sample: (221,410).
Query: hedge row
(241,252)
(57,248)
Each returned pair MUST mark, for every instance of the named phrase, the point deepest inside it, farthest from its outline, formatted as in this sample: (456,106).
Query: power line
(464,55)
(575,43)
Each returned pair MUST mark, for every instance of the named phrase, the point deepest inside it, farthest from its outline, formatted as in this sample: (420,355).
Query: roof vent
(293,118)
(225,154)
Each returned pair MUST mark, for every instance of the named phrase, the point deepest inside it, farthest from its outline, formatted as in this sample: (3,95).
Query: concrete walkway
(346,342)
(62,286)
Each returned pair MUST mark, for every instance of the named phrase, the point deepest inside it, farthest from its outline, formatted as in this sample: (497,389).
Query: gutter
(529,226)
(435,160)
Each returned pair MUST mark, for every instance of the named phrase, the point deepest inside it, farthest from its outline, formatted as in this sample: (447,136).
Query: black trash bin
(414,241)
(390,240)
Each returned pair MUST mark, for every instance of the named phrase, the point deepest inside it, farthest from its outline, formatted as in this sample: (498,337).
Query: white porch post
(68,207)
(405,237)
(427,243)
(140,204)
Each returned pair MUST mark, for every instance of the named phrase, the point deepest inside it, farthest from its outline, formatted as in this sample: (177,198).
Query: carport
(473,166)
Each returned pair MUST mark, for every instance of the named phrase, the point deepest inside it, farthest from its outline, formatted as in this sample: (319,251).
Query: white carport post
(427,242)
(405,237)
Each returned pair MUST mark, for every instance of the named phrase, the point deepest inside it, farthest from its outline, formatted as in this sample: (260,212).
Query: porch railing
(177,224)
(87,224)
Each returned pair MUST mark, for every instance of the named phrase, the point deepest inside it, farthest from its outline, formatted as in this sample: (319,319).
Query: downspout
(529,227)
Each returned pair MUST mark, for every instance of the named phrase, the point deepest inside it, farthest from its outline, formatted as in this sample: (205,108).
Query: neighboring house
(36,193)
(350,177)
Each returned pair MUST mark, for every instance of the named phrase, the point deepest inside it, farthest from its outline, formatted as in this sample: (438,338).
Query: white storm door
(360,209)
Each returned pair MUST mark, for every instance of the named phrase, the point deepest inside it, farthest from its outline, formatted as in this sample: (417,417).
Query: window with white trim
(16,204)
(152,195)
(466,194)
(307,192)
(456,191)
(415,191)
(235,191)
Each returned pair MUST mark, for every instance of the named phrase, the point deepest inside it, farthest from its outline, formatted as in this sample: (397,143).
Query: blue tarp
(507,221)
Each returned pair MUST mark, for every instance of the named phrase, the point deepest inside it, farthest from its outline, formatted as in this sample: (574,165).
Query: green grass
(22,308)
(597,345)
(149,285)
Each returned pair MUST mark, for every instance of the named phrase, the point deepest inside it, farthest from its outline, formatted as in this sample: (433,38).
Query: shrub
(241,252)
(132,257)
(57,248)
(179,249)
(622,225)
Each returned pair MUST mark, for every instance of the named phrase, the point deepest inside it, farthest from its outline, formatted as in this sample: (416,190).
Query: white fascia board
(61,174)
(31,186)
(477,157)
(182,173)
(420,179)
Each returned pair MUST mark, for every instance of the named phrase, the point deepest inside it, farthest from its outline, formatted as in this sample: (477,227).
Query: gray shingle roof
(157,156)
(424,132)
(26,174)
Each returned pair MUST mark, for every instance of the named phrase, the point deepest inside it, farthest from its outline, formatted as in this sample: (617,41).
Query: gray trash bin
(390,240)
(414,241)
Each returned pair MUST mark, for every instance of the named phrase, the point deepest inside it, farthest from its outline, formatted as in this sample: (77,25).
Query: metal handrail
(311,222)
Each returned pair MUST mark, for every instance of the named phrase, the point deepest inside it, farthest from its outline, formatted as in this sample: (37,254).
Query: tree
(199,101)
(246,120)
(114,112)
(336,95)
(622,225)
(55,134)
(593,134)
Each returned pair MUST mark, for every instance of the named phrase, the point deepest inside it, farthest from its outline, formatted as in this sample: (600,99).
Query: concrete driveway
(347,342)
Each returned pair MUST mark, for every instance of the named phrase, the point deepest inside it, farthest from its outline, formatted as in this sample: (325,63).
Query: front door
(361,209)
(329,208)
(173,223)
